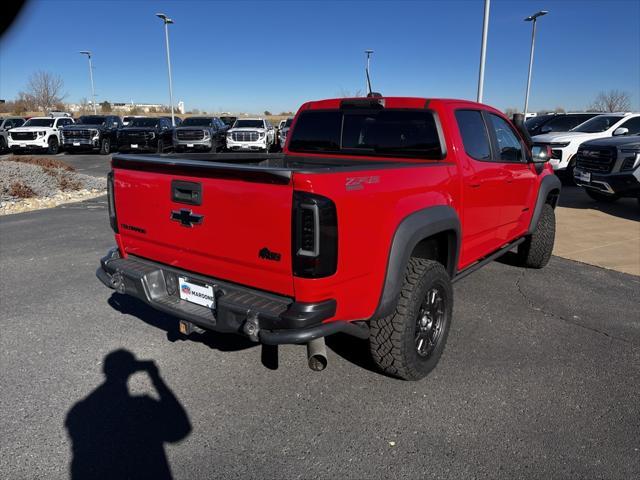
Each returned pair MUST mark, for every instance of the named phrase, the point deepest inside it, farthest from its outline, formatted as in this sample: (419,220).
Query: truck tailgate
(237,228)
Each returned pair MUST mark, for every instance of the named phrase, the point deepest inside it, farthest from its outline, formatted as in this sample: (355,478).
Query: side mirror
(540,153)
(546,129)
(620,131)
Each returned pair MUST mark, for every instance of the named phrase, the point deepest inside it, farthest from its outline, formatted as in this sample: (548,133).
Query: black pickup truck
(200,134)
(146,134)
(92,132)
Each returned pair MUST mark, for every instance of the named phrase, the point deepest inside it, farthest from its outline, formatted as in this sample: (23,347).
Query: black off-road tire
(53,146)
(3,145)
(393,339)
(535,251)
(105,147)
(602,197)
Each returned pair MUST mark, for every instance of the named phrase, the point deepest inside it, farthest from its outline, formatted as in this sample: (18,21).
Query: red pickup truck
(376,206)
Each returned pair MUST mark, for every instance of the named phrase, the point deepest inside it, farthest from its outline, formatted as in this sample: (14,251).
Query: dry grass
(67,184)
(44,162)
(20,190)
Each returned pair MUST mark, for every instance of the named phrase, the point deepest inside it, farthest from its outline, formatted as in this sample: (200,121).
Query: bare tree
(510,111)
(84,106)
(46,89)
(560,110)
(24,103)
(611,101)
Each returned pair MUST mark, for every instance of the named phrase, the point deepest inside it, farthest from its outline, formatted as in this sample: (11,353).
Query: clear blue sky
(252,56)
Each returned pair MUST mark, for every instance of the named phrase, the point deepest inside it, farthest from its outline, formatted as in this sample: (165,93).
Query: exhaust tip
(317,354)
(317,363)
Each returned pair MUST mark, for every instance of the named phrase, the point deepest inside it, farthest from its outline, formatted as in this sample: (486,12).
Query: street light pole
(368,89)
(533,18)
(483,50)
(167,21)
(93,91)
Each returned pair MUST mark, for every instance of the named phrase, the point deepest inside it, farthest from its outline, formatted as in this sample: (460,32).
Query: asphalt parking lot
(540,378)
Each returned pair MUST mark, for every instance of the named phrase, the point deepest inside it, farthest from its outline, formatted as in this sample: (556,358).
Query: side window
(474,134)
(633,125)
(509,146)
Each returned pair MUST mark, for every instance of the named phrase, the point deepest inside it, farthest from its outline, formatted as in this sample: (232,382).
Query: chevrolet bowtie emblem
(186,217)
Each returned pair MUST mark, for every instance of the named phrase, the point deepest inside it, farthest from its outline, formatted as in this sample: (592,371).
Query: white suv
(38,133)
(251,134)
(564,145)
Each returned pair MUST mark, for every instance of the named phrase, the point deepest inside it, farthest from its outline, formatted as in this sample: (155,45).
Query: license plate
(195,293)
(23,145)
(582,176)
(134,145)
(190,145)
(76,144)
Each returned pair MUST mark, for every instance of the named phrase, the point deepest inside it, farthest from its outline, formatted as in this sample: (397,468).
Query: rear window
(399,133)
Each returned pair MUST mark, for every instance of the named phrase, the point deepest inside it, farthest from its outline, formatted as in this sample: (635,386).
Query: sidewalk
(606,235)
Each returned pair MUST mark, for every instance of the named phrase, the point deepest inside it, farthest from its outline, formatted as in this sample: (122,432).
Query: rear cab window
(373,133)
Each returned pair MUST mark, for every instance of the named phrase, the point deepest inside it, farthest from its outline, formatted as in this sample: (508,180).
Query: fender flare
(412,229)
(547,184)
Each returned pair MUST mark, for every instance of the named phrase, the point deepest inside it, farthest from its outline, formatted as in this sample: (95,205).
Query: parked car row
(107,133)
(601,154)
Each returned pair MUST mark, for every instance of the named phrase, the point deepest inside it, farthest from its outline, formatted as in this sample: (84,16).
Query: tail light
(112,203)
(314,236)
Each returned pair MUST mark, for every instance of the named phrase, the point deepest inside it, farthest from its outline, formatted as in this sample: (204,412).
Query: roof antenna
(368,52)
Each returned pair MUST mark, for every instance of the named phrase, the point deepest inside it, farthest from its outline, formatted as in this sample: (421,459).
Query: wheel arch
(432,233)
(548,192)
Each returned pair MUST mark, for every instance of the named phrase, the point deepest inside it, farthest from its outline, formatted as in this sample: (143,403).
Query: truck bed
(276,167)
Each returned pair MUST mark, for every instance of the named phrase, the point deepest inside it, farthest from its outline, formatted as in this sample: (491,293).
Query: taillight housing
(314,236)
(111,202)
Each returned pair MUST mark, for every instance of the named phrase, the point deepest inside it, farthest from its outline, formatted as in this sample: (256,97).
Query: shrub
(20,190)
(44,162)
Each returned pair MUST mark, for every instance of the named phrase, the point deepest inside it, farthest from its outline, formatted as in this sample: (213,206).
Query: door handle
(186,192)
(474,184)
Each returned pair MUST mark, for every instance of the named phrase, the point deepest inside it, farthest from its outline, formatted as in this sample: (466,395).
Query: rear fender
(411,230)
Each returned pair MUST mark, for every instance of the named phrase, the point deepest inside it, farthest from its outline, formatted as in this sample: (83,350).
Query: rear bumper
(262,316)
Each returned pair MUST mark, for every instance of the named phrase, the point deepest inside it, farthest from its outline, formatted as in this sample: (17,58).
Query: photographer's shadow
(117,435)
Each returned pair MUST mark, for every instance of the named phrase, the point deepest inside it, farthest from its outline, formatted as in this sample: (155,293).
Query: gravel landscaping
(31,183)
